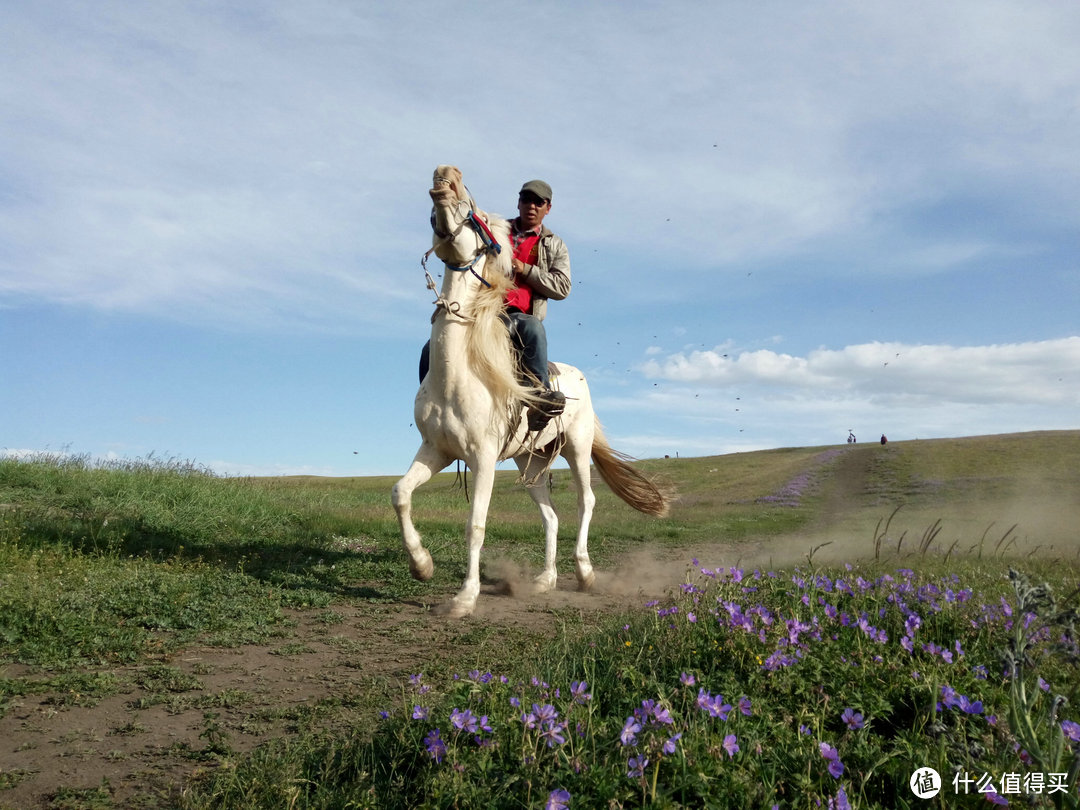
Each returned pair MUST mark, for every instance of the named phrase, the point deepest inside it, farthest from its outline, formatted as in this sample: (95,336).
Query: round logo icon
(925,783)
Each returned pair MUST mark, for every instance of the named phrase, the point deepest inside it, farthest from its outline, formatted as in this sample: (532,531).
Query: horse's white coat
(469,405)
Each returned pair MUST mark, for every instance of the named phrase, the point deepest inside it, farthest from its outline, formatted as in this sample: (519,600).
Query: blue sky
(785,220)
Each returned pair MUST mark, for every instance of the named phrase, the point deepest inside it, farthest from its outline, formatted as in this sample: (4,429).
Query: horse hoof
(421,567)
(453,610)
(543,583)
(586,580)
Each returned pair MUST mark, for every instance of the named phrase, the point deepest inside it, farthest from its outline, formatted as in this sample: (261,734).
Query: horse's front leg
(426,463)
(483,480)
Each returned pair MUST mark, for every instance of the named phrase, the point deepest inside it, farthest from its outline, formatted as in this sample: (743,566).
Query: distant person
(850,437)
(883,439)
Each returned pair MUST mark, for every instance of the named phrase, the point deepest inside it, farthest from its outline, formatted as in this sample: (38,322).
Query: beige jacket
(550,276)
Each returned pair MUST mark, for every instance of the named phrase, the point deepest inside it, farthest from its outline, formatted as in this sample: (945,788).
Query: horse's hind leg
(427,462)
(534,474)
(578,453)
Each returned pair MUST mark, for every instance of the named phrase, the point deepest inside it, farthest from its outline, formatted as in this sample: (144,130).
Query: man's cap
(537,187)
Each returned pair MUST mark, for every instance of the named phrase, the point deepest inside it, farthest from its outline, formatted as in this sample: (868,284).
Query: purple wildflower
(578,693)
(704,700)
(434,745)
(744,705)
(949,697)
(545,713)
(841,801)
(687,679)
(662,716)
(852,718)
(629,732)
(558,799)
(969,706)
(637,766)
(836,767)
(731,745)
(669,746)
(419,713)
(552,734)
(1071,730)
(646,710)
(463,720)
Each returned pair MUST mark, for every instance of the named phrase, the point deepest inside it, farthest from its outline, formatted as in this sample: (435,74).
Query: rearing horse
(471,405)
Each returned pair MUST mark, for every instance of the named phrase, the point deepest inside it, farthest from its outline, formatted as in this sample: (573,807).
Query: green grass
(105,569)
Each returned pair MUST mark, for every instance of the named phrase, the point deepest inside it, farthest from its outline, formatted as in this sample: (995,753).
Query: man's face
(532,209)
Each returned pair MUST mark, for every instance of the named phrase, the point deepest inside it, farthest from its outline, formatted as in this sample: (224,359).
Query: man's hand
(518,265)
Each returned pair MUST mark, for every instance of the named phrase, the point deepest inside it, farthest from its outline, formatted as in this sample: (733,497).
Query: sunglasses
(532,199)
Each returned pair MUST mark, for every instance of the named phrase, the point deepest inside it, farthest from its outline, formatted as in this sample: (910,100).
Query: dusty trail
(143,742)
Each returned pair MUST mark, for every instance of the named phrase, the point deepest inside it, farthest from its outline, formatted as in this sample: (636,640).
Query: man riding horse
(541,265)
(470,405)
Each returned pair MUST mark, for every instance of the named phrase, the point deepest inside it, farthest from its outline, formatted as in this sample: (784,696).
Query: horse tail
(631,486)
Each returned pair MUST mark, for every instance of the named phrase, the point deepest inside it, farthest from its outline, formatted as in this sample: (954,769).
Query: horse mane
(491,354)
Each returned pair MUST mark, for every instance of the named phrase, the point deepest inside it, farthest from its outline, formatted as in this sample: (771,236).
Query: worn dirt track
(138,750)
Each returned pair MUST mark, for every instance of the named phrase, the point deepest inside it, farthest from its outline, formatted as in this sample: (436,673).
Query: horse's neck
(450,333)
(449,344)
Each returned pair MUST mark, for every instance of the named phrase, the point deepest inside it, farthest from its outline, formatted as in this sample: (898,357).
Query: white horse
(471,405)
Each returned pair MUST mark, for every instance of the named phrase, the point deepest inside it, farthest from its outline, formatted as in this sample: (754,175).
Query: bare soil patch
(137,748)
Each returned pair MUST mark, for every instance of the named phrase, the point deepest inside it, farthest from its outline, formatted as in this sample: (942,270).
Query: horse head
(454,243)
(459,241)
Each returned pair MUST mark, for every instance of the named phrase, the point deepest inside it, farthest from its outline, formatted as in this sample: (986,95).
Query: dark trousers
(529,338)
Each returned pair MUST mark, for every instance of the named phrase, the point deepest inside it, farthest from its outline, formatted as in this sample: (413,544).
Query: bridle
(488,246)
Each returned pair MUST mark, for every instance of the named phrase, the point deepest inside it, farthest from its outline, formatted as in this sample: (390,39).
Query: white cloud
(1043,372)
(703,402)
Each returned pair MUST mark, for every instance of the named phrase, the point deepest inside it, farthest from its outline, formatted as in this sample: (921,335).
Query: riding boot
(552,404)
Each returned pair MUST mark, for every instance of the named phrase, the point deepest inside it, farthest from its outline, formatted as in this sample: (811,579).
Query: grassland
(169,638)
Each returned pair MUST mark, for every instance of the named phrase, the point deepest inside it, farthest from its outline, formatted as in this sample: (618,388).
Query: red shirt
(525,250)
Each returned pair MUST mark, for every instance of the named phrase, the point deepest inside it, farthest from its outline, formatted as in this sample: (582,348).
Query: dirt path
(847,482)
(139,745)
